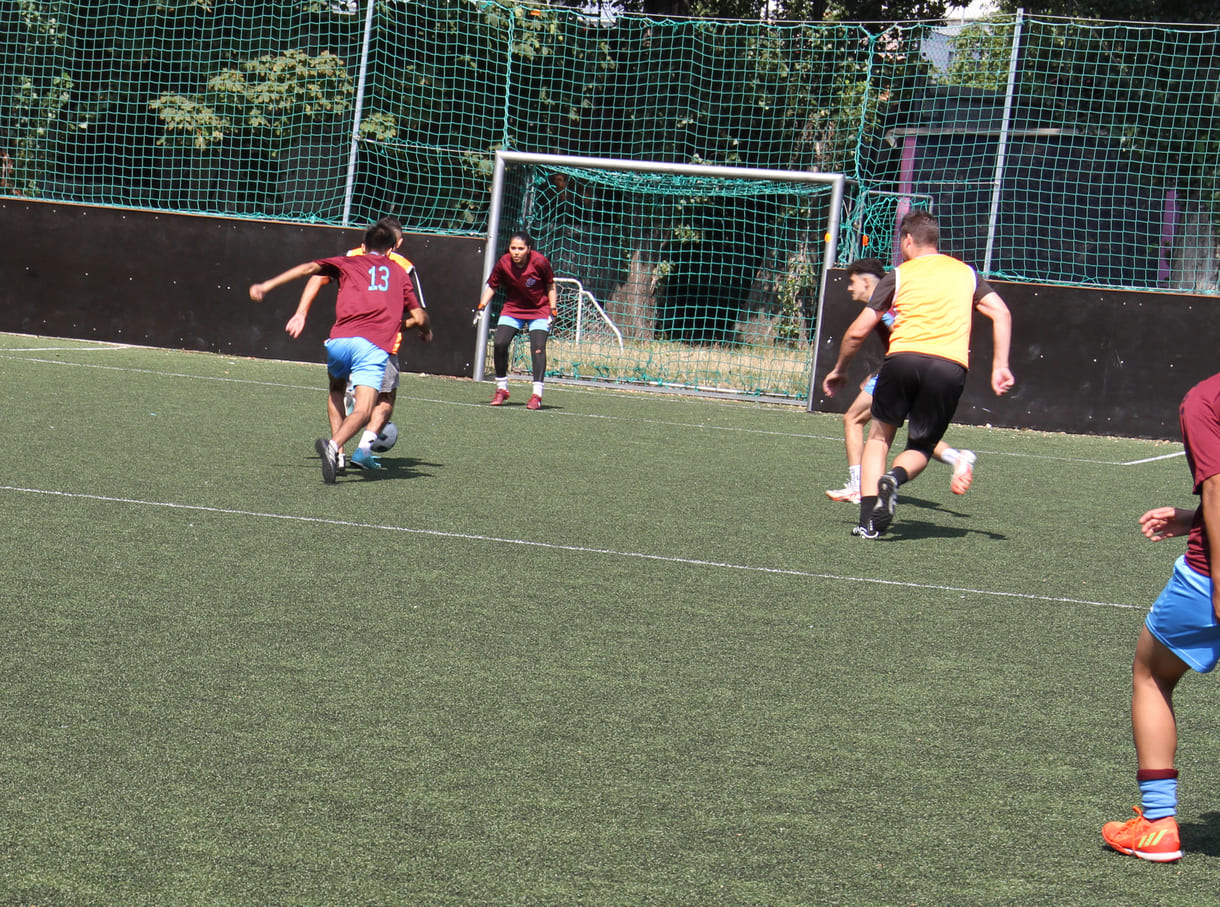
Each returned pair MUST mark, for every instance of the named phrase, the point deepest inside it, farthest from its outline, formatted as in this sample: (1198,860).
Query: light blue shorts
(538,324)
(358,360)
(1183,619)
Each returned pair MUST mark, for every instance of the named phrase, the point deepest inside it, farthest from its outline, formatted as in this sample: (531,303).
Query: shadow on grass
(904,528)
(1203,836)
(391,468)
(928,505)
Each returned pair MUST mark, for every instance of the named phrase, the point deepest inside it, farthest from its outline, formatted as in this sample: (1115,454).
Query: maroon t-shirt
(1199,415)
(525,288)
(374,291)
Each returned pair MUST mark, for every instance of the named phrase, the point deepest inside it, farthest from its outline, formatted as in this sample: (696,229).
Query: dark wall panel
(181,281)
(1086,361)
(1104,362)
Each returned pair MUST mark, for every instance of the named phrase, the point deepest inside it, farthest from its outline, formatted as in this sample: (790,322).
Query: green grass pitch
(620,651)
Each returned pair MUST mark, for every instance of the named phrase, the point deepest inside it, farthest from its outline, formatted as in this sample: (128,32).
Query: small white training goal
(580,314)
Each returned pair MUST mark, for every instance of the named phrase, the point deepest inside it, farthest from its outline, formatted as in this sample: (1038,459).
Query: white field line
(559,413)
(579,549)
(99,348)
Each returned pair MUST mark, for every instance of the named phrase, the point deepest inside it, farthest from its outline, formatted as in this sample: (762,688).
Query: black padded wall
(181,281)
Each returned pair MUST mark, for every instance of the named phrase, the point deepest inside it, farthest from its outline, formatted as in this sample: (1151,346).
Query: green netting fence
(1053,150)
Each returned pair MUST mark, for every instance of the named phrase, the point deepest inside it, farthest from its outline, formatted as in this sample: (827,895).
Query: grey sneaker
(330,459)
(887,497)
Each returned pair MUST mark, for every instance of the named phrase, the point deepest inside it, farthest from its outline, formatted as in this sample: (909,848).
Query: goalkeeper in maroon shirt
(529,288)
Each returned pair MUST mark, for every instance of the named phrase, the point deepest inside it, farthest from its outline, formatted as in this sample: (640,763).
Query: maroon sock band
(1155,774)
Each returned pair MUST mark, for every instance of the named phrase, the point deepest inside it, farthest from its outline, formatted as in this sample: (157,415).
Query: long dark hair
(524,237)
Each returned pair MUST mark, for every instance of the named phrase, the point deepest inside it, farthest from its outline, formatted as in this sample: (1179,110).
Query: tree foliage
(1200,11)
(877,11)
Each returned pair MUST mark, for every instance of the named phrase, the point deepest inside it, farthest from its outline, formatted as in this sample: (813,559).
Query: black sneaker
(865,532)
(330,459)
(887,497)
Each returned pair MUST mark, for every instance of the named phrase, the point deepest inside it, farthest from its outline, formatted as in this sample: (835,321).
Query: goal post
(712,277)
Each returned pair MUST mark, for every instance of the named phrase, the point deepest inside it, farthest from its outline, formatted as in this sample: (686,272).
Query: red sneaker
(1157,840)
(535,402)
(499,397)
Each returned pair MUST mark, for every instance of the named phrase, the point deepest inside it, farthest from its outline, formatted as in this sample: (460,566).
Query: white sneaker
(963,472)
(848,494)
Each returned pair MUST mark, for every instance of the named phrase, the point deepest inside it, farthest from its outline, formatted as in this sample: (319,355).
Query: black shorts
(921,389)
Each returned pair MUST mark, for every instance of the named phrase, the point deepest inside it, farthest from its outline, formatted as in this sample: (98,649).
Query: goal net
(676,276)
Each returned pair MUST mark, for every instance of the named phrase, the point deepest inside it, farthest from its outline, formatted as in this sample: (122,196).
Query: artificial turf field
(620,651)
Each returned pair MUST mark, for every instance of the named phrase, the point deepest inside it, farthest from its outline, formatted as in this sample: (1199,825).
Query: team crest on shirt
(531,281)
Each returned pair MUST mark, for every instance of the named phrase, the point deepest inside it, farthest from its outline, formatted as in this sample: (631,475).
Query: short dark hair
(524,237)
(392,222)
(923,227)
(866,266)
(379,238)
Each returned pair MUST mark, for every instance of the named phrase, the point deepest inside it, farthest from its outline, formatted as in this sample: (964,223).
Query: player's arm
(489,289)
(994,308)
(488,293)
(260,290)
(552,297)
(1166,522)
(866,322)
(296,324)
(418,318)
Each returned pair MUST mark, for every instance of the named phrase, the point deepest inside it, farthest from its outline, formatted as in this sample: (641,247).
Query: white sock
(502,384)
(538,388)
(853,476)
(949,455)
(366,441)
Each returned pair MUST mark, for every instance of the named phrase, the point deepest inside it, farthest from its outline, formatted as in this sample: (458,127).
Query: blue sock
(1159,797)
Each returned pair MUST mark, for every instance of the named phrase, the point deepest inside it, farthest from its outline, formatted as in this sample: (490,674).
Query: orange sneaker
(535,402)
(963,472)
(498,398)
(1157,840)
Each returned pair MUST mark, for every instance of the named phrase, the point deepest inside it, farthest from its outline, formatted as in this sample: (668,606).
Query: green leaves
(273,94)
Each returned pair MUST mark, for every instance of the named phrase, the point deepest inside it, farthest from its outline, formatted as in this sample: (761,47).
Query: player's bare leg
(336,408)
(872,467)
(854,422)
(1155,673)
(383,409)
(362,410)
(913,461)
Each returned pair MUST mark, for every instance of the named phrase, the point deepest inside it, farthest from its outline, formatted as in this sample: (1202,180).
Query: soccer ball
(387,439)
